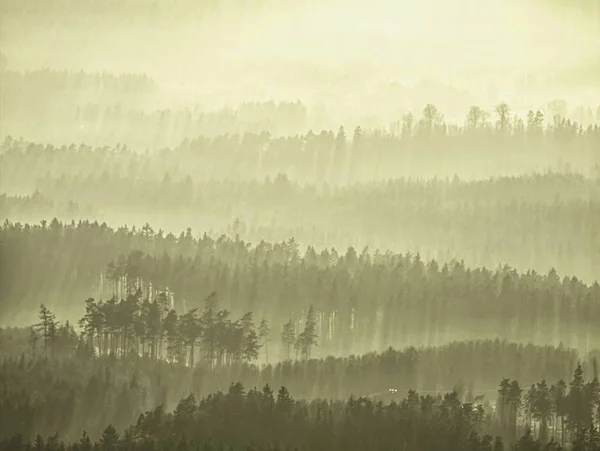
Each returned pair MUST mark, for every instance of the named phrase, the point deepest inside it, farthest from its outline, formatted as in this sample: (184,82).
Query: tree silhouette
(308,338)
(476,118)
(191,331)
(288,337)
(503,112)
(210,327)
(47,327)
(264,333)
(109,439)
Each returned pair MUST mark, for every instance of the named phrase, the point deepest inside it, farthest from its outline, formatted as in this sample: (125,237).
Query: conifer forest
(326,225)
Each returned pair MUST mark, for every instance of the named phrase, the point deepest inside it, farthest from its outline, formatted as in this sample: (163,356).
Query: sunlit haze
(308,225)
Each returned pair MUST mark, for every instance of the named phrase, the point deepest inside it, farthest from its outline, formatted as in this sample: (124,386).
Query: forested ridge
(100,108)
(364,300)
(526,222)
(147,361)
(548,416)
(499,144)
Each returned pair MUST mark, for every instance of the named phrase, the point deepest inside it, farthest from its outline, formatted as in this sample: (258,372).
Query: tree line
(363,300)
(485,222)
(154,329)
(262,419)
(423,368)
(106,353)
(509,144)
(89,376)
(565,417)
(140,327)
(369,301)
(109,109)
(106,108)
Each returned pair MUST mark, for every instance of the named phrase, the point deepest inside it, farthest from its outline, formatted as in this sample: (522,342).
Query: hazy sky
(333,51)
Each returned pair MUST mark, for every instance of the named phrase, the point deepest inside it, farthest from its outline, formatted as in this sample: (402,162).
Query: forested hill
(526,222)
(364,300)
(227,144)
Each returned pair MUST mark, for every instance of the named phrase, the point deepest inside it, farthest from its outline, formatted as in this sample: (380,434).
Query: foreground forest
(113,370)
(118,391)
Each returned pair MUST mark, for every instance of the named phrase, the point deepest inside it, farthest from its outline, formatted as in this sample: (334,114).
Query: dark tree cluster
(156,330)
(139,327)
(563,412)
(243,419)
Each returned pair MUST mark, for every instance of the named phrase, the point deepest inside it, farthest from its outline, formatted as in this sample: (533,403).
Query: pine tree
(47,326)
(577,411)
(288,336)
(191,331)
(514,401)
(109,438)
(250,345)
(308,338)
(210,328)
(172,332)
(34,337)
(264,333)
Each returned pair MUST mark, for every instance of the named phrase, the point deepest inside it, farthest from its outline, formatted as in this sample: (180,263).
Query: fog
(359,63)
(325,225)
